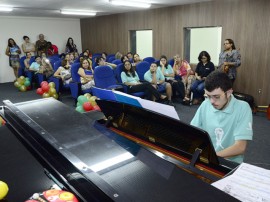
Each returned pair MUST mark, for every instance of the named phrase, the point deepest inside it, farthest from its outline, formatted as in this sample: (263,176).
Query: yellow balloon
(17,84)
(92,100)
(66,196)
(45,95)
(55,96)
(87,95)
(52,84)
(3,190)
(22,88)
(20,81)
(52,91)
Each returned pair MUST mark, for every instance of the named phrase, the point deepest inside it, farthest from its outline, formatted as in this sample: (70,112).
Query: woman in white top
(27,46)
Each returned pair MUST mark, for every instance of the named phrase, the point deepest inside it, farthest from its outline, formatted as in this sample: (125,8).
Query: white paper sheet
(248,183)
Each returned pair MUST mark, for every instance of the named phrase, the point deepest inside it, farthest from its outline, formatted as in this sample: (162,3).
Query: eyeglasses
(226,43)
(127,64)
(204,58)
(214,97)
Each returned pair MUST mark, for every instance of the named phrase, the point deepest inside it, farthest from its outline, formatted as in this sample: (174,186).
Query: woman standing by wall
(229,59)
(13,51)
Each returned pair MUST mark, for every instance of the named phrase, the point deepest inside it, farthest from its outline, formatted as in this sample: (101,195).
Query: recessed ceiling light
(7,9)
(78,12)
(130,3)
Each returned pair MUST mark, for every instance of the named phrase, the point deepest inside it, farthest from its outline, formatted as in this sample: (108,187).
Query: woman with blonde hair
(182,69)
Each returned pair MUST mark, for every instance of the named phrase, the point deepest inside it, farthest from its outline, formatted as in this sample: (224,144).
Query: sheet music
(248,183)
(153,106)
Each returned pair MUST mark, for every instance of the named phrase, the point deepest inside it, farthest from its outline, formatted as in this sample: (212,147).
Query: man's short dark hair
(25,37)
(217,79)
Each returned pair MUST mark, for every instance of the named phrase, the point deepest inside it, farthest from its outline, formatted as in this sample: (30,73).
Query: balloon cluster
(23,83)
(47,90)
(87,103)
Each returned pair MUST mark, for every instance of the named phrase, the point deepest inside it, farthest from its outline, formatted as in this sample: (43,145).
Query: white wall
(205,39)
(56,30)
(144,43)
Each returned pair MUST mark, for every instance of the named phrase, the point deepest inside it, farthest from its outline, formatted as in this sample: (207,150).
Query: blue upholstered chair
(149,59)
(116,61)
(104,77)
(141,68)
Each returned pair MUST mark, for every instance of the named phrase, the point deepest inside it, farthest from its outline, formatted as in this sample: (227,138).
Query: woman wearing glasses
(229,59)
(203,69)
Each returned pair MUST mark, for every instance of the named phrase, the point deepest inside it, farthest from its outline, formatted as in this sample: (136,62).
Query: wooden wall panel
(245,21)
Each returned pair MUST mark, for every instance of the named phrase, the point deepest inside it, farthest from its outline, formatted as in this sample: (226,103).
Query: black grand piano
(124,153)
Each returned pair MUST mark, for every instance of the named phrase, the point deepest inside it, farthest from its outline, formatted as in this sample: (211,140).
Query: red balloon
(87,106)
(44,83)
(45,88)
(40,91)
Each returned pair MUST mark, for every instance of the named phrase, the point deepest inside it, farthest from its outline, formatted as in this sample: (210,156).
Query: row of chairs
(106,78)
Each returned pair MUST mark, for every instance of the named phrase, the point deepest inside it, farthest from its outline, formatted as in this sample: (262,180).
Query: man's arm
(238,148)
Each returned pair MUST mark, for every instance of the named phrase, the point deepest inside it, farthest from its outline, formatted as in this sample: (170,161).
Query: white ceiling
(51,8)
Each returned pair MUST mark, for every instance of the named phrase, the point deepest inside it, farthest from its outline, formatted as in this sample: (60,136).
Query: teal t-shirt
(129,79)
(148,76)
(34,66)
(225,126)
(169,70)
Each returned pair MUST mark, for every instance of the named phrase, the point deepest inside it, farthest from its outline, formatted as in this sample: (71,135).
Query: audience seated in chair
(182,69)
(118,55)
(86,75)
(64,72)
(26,61)
(45,69)
(136,60)
(130,56)
(104,55)
(157,79)
(34,67)
(124,58)
(85,55)
(130,78)
(101,62)
(203,69)
(177,85)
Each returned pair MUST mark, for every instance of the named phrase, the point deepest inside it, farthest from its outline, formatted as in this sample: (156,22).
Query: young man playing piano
(227,120)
